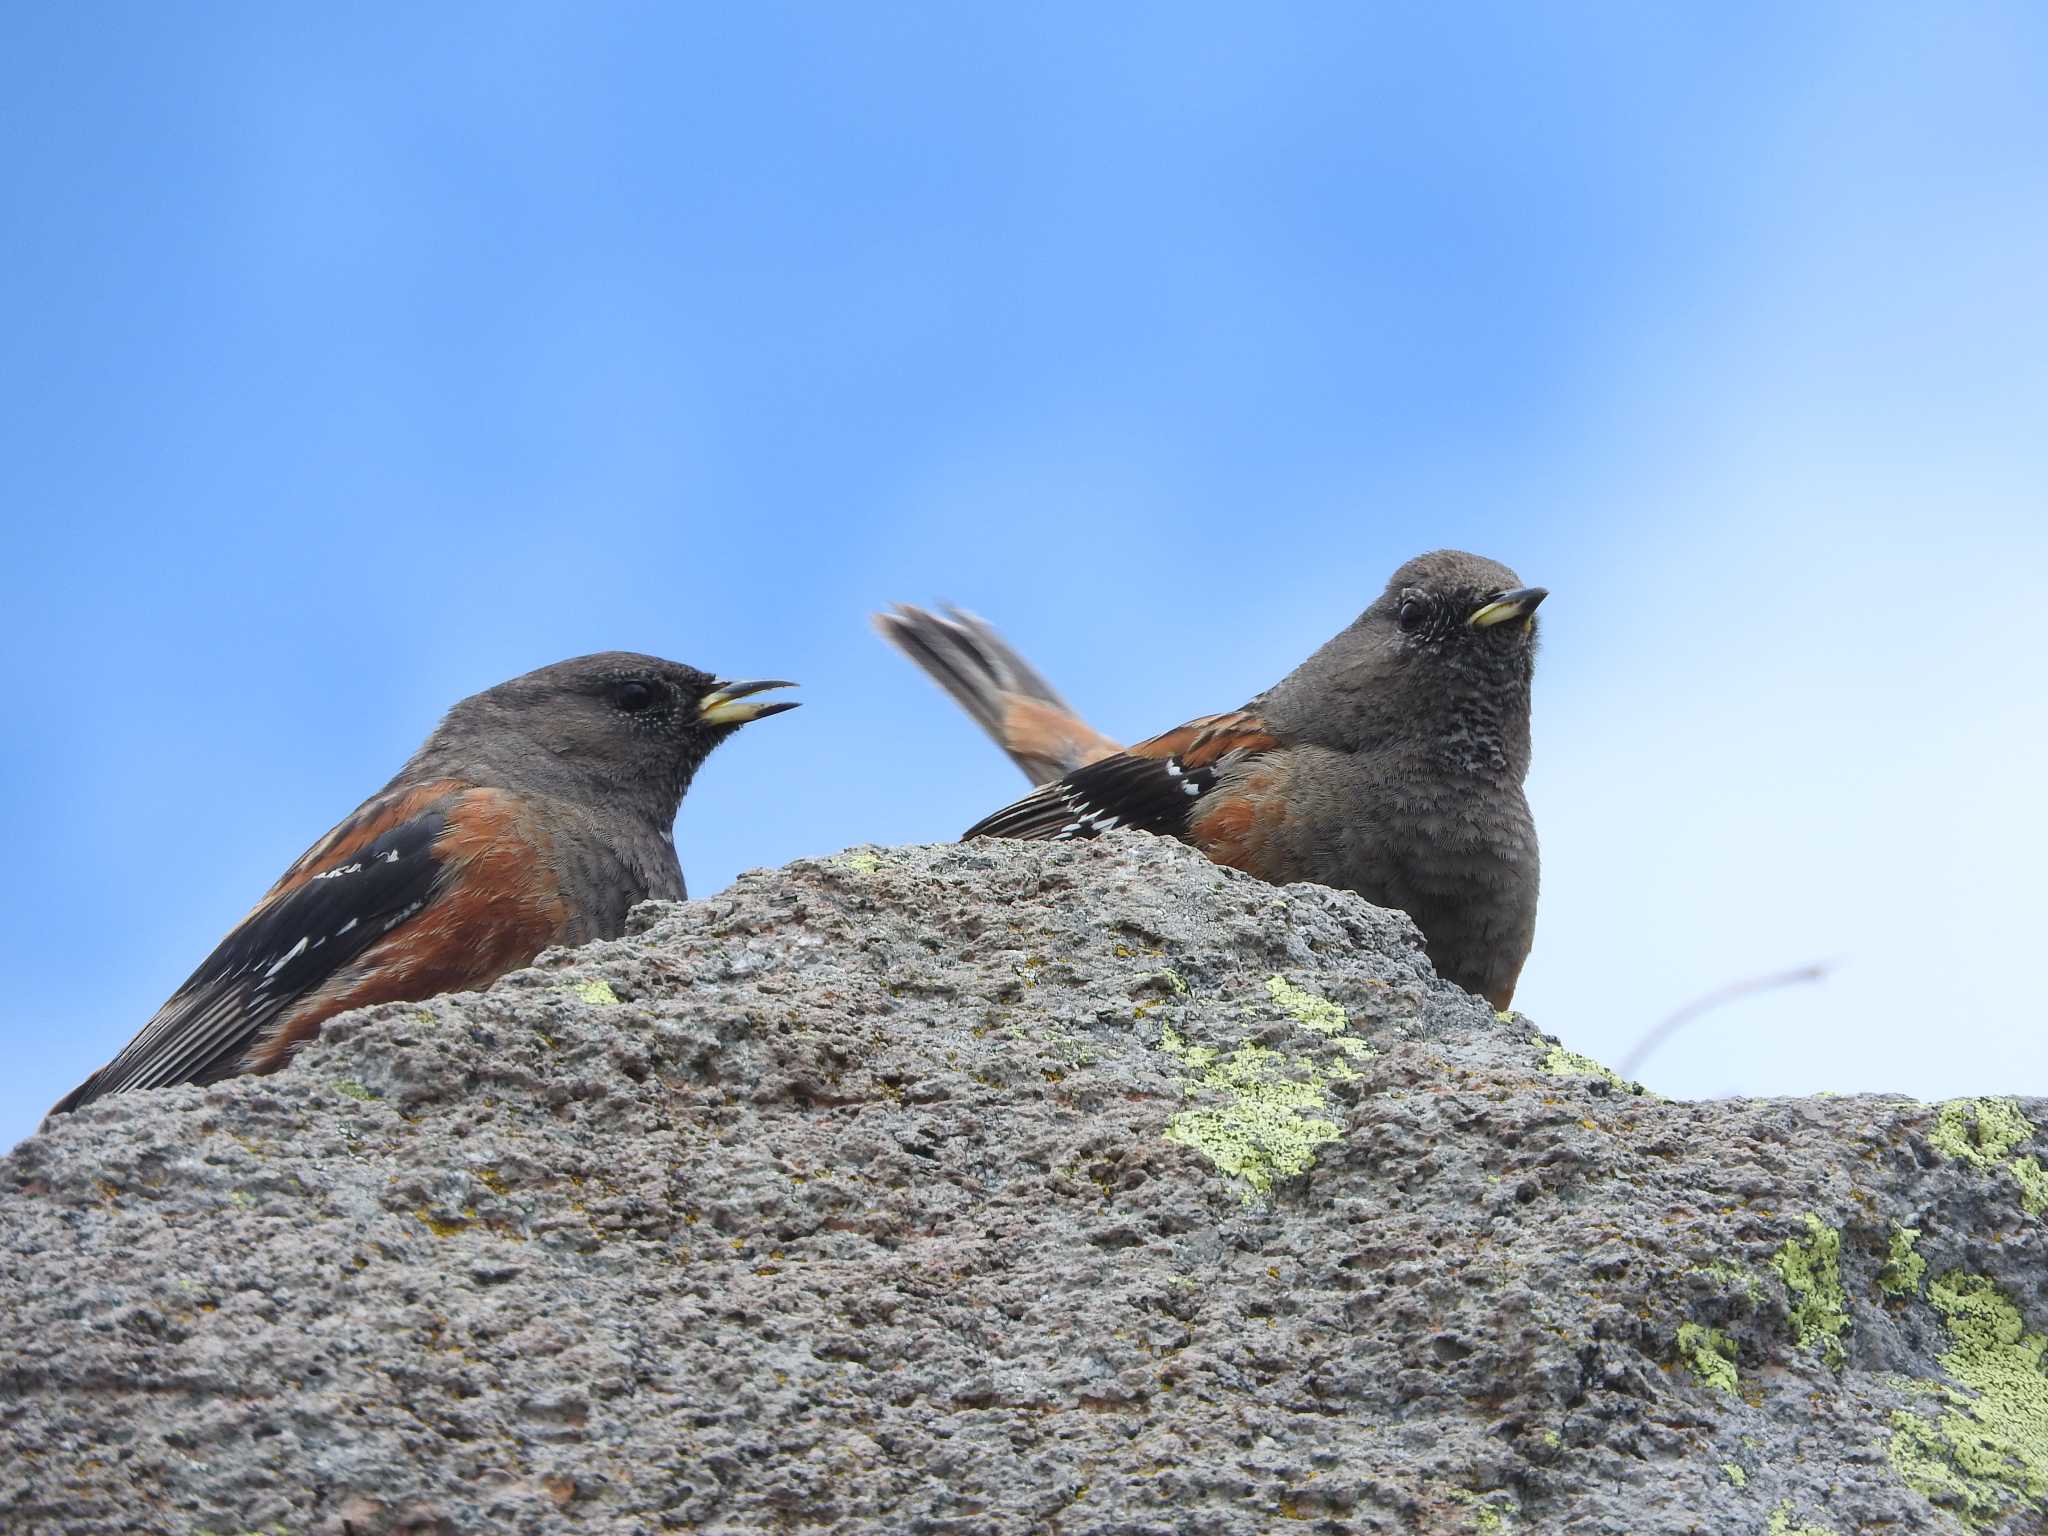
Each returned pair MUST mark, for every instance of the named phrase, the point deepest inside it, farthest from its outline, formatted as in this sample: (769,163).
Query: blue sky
(355,360)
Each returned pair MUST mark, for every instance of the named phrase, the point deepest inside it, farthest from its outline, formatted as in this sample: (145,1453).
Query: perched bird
(1389,763)
(537,813)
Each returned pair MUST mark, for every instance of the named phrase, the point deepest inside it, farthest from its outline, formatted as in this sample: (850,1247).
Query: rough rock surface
(1013,1188)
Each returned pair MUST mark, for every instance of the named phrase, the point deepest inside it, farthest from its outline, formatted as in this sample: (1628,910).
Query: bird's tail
(1002,691)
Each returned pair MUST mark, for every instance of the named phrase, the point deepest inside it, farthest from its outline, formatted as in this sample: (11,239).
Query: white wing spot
(344,928)
(346,869)
(402,916)
(290,955)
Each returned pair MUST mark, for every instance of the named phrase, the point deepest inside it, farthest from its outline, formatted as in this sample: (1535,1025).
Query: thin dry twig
(1674,1022)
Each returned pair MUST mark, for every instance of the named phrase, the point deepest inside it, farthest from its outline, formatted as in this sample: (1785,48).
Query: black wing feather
(283,950)
(1152,794)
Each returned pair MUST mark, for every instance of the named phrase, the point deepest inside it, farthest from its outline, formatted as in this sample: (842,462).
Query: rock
(1016,1187)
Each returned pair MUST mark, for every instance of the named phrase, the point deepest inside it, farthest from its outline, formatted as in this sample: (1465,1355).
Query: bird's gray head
(1441,662)
(616,730)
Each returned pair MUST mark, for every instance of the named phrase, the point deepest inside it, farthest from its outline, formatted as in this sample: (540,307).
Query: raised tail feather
(1002,691)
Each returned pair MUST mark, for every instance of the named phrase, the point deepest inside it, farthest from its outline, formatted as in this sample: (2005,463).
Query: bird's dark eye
(636,696)
(1413,615)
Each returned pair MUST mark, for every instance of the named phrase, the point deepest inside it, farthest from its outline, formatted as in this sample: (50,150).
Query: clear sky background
(356,358)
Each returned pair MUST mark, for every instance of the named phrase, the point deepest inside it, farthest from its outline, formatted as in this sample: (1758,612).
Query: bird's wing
(1006,695)
(1154,786)
(374,872)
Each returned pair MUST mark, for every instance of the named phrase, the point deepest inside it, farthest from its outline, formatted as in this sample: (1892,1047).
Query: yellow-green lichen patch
(1984,1133)
(1068,1050)
(1309,1009)
(1266,1126)
(1781,1524)
(859,863)
(1903,1268)
(1262,1116)
(1980,1132)
(598,994)
(1350,1050)
(1563,1063)
(349,1088)
(1988,1452)
(2033,1181)
(1732,1470)
(1487,1519)
(1812,1272)
(1710,1355)
(1730,1273)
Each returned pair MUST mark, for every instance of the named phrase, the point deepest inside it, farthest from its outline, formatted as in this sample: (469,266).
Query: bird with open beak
(537,813)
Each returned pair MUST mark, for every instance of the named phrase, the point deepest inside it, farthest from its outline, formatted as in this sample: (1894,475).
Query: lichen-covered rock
(1078,1188)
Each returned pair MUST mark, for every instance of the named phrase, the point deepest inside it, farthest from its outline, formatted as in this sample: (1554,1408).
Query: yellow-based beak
(729,704)
(1518,604)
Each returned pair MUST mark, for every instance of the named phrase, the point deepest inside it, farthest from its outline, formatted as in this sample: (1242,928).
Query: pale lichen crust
(1710,1355)
(1264,1111)
(2033,1182)
(1488,1519)
(1730,1273)
(1266,1127)
(1982,1132)
(1903,1268)
(1987,1453)
(1311,1011)
(1812,1272)
(1559,1062)
(1781,1524)
(1985,1133)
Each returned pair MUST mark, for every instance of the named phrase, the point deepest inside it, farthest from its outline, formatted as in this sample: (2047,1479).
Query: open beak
(1518,604)
(729,704)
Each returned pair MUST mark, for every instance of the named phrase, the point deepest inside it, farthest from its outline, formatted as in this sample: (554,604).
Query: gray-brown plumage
(1389,763)
(537,813)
